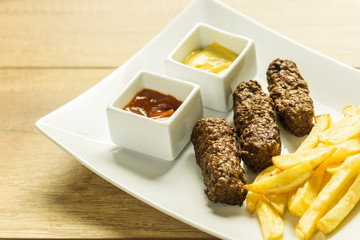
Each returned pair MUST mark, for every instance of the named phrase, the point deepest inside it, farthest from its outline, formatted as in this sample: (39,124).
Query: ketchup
(153,104)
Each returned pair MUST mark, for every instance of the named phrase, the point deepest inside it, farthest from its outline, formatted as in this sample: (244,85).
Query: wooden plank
(46,193)
(329,27)
(78,32)
(28,94)
(98,33)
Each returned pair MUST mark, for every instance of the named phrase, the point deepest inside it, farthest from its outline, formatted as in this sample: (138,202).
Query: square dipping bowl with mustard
(214,59)
(154,114)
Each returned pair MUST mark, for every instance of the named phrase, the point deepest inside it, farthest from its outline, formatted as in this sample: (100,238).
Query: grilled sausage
(290,94)
(254,119)
(217,154)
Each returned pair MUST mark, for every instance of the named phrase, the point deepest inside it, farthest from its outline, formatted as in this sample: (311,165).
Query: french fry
(349,110)
(288,161)
(320,182)
(251,201)
(322,123)
(285,181)
(267,207)
(317,118)
(333,167)
(346,128)
(320,145)
(278,202)
(266,173)
(271,223)
(341,179)
(300,201)
(331,220)
(339,196)
(252,198)
(343,150)
(326,179)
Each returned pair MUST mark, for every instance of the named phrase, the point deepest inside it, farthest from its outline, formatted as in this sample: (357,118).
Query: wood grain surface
(52,51)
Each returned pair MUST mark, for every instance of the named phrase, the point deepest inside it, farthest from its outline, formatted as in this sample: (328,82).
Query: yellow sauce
(213,58)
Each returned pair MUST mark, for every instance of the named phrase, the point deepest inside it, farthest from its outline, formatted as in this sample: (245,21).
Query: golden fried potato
(271,223)
(349,110)
(326,179)
(343,150)
(285,181)
(251,201)
(336,215)
(346,128)
(333,167)
(252,198)
(322,123)
(278,201)
(318,155)
(320,182)
(302,198)
(266,173)
(340,180)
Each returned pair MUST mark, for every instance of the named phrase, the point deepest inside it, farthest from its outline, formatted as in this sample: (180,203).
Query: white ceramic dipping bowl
(160,138)
(216,89)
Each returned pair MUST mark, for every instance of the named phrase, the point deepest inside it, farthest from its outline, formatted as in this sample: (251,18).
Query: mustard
(214,58)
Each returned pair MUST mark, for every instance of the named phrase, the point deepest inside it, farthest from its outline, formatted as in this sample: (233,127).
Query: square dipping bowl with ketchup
(216,60)
(154,114)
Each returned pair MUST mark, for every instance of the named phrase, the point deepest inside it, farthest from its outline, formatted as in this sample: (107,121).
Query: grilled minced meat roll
(290,94)
(254,119)
(217,154)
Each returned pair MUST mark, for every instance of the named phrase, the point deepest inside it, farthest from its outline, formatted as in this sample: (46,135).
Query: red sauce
(153,104)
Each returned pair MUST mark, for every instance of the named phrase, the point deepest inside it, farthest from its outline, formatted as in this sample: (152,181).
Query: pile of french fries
(320,182)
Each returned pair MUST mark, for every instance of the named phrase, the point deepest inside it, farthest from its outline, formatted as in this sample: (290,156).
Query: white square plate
(176,188)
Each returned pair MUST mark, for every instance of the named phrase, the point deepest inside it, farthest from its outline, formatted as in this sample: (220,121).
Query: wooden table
(51,51)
